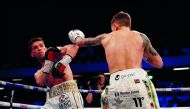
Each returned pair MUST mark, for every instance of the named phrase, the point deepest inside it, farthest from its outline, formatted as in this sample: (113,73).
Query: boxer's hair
(122,18)
(34,40)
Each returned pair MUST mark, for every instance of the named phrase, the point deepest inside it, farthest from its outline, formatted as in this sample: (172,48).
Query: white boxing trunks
(130,89)
(64,96)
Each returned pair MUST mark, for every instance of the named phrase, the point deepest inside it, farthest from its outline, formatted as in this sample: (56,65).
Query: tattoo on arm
(147,45)
(93,41)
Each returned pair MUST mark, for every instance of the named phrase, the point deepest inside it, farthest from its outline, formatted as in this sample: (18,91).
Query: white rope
(90,91)
(35,88)
(161,108)
(26,106)
(173,89)
(19,105)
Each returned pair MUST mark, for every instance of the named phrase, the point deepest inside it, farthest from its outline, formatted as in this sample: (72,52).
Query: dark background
(165,22)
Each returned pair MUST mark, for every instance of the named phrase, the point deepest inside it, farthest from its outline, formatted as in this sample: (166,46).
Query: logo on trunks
(129,92)
(117,77)
(128,75)
(117,99)
(64,101)
(56,91)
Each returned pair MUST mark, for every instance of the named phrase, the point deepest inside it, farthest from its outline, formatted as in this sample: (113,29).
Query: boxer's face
(38,49)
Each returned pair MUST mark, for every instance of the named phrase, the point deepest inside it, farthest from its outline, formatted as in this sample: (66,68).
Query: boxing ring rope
(22,86)
(19,105)
(28,106)
(35,88)
(184,89)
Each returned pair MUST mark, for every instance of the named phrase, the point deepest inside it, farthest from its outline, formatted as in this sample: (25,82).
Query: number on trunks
(138,101)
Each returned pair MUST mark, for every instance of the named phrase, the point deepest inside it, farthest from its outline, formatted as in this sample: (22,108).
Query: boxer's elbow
(40,82)
(160,64)
(156,62)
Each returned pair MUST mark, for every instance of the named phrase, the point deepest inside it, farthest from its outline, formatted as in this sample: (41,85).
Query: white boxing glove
(74,34)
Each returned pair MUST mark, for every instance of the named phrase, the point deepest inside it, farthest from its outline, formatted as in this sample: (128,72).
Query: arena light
(106,73)
(147,70)
(150,77)
(181,68)
(18,79)
(1,88)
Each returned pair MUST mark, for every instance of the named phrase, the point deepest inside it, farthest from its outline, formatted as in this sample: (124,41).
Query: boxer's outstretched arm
(150,54)
(92,41)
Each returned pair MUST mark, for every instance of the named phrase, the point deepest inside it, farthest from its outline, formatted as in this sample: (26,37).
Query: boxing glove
(61,65)
(74,34)
(56,73)
(52,55)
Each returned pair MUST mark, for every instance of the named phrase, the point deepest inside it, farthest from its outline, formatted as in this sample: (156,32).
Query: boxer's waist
(129,73)
(68,86)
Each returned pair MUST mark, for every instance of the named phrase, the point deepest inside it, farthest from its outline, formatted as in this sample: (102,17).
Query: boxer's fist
(57,72)
(53,54)
(74,34)
(60,66)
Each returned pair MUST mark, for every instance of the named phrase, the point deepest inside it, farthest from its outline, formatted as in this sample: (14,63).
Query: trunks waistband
(129,73)
(68,86)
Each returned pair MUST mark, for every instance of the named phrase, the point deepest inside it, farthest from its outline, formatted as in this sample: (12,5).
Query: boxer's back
(124,49)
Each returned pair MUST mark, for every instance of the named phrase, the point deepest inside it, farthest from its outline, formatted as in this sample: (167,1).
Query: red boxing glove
(53,54)
(61,65)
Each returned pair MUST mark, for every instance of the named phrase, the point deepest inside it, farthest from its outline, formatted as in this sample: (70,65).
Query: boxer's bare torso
(125,49)
(42,79)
